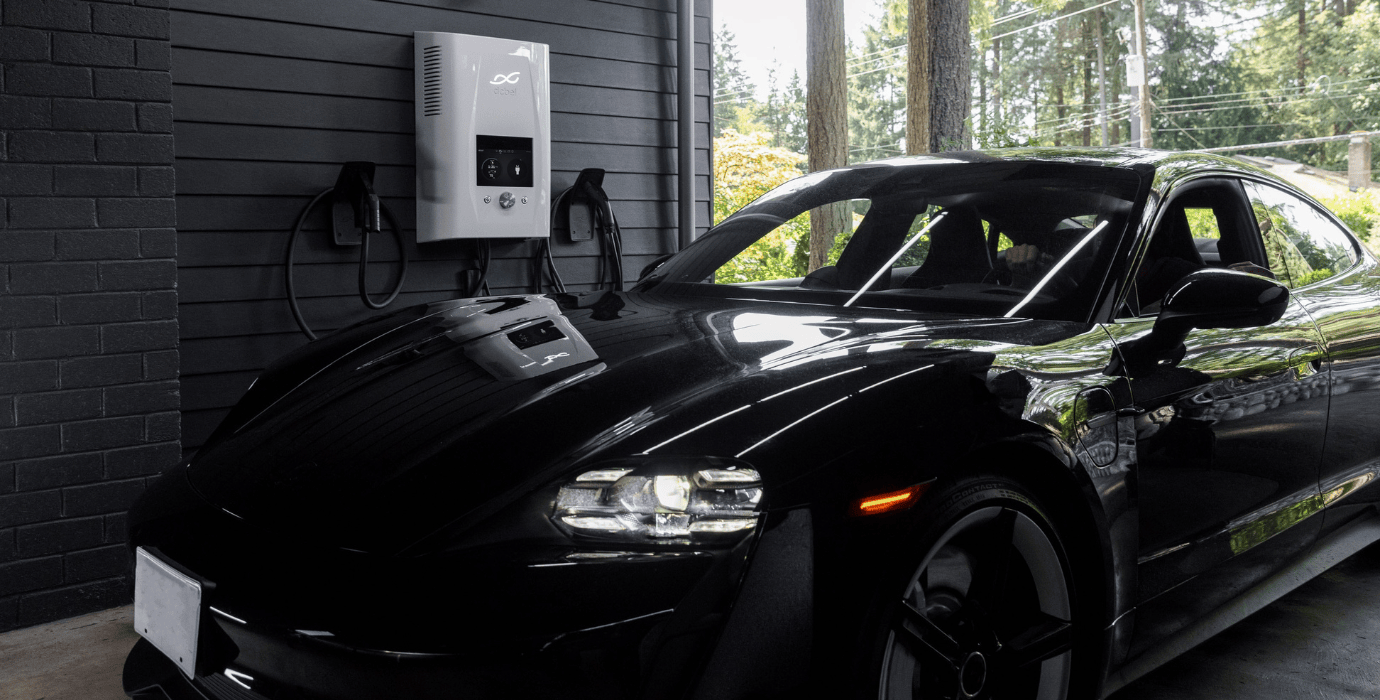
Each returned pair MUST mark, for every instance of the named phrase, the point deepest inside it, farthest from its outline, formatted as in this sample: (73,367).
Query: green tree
(877,86)
(783,114)
(735,103)
(1198,101)
(747,166)
(1315,72)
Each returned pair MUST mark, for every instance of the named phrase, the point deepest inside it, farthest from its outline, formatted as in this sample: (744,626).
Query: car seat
(958,252)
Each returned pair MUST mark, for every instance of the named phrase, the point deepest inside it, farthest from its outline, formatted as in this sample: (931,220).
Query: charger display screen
(504,161)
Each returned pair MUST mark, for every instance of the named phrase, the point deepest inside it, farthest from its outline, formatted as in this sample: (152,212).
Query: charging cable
(542,263)
(482,255)
(354,187)
(587,191)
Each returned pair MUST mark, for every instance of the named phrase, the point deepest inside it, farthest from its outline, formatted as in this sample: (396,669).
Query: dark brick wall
(89,389)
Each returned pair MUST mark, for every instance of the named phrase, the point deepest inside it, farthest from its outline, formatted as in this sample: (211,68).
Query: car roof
(1168,165)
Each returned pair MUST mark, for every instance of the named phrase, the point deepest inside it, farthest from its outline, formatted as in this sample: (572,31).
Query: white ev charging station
(483,111)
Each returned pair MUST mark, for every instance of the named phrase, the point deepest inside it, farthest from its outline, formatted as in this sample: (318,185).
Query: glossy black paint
(375,513)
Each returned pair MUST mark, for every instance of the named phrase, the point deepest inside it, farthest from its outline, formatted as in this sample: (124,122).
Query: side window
(1303,246)
(1203,223)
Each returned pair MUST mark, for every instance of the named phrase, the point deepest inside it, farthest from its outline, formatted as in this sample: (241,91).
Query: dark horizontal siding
(222,177)
(270,97)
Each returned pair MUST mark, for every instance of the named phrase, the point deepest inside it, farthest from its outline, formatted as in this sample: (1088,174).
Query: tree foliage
(747,166)
(1221,73)
(734,106)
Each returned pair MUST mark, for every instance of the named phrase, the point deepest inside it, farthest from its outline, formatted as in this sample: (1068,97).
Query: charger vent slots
(432,79)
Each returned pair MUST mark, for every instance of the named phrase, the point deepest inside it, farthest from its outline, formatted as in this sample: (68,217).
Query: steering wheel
(999,275)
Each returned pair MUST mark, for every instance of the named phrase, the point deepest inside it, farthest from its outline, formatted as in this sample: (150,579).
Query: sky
(775,29)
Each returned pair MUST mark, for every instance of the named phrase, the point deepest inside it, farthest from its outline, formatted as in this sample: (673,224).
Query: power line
(1294,100)
(862,57)
(1240,126)
(1014,15)
(1294,142)
(1212,99)
(1055,19)
(735,93)
(1077,121)
(1372,78)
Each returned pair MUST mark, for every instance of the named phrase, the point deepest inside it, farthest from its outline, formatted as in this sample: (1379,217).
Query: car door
(1338,283)
(1228,438)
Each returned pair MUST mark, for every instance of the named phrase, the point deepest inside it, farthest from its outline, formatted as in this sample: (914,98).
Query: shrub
(1360,211)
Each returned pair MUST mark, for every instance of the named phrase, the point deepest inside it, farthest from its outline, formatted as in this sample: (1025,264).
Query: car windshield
(1012,238)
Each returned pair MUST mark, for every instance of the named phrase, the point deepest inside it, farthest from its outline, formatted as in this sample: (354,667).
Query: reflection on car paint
(517,337)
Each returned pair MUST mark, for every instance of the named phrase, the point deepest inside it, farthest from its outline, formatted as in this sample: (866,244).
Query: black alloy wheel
(989,610)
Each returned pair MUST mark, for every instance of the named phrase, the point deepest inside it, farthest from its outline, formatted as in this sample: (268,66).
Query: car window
(781,253)
(1303,246)
(1028,239)
(1202,221)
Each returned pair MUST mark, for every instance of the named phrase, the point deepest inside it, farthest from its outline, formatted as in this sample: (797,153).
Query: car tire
(987,605)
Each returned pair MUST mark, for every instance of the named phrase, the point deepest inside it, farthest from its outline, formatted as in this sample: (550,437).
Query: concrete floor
(1320,642)
(76,659)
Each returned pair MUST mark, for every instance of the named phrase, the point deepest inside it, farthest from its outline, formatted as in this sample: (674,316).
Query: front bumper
(731,631)
(273,667)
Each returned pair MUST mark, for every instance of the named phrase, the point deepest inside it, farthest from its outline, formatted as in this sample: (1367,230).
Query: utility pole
(1101,78)
(1146,140)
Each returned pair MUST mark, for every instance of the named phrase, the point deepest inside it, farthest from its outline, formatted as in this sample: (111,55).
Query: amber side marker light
(889,502)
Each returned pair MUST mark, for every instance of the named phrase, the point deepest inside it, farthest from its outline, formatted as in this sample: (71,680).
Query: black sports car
(1050,418)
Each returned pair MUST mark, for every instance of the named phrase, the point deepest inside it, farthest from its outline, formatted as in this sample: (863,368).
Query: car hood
(377,436)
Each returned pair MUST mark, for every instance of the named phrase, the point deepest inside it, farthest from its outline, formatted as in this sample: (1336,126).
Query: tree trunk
(826,107)
(950,73)
(919,84)
(939,70)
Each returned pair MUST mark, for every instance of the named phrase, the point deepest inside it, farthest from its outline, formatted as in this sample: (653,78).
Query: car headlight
(680,502)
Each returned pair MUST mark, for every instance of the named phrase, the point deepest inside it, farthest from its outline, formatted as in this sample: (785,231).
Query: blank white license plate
(167,609)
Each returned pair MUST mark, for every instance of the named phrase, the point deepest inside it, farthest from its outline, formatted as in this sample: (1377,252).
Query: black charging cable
(483,253)
(369,211)
(364,261)
(543,263)
(588,191)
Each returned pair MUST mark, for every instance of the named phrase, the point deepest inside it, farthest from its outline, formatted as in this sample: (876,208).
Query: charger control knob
(506,200)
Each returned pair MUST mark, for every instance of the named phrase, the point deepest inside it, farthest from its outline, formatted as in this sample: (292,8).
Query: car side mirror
(1215,298)
(1210,298)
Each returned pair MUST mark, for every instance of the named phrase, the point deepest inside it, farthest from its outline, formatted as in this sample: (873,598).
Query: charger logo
(502,79)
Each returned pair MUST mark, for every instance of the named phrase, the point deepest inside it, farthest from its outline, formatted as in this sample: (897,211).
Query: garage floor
(76,659)
(1320,642)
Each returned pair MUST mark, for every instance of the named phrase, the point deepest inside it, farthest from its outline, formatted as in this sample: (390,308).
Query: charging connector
(588,215)
(355,208)
(356,213)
